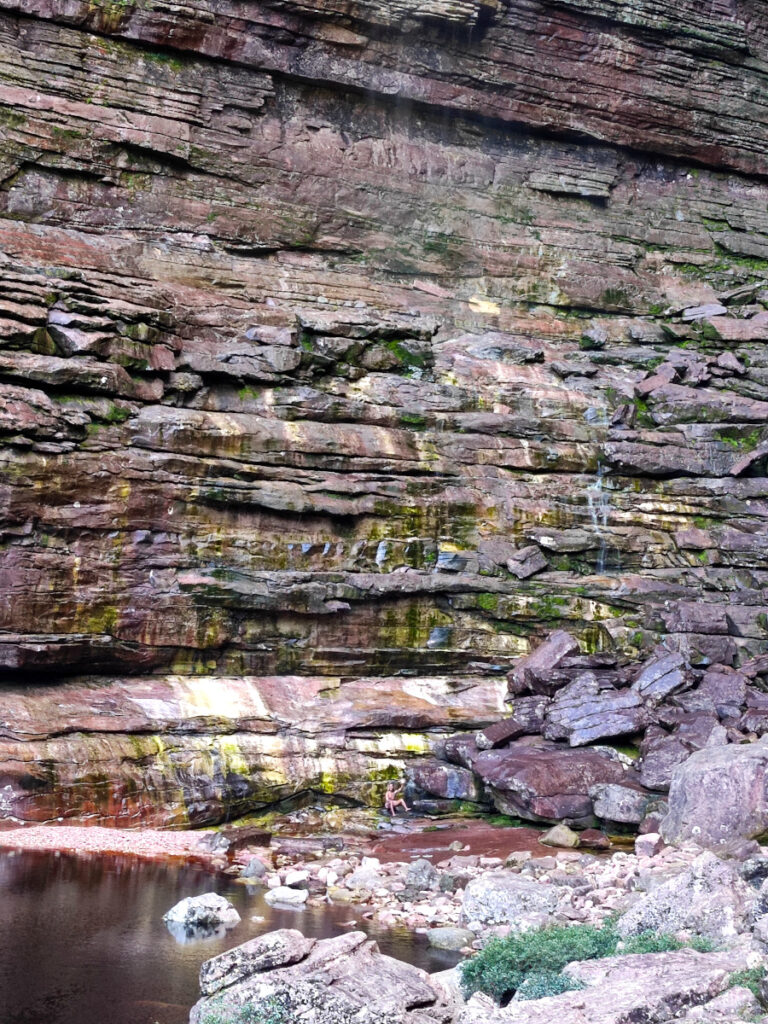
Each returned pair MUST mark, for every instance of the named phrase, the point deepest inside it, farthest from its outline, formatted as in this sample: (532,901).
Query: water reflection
(82,940)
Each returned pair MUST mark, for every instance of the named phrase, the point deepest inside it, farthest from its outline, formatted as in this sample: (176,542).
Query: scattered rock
(560,835)
(331,981)
(532,672)
(286,896)
(208,911)
(450,938)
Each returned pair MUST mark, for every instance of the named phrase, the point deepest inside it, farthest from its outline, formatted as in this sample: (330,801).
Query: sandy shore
(150,843)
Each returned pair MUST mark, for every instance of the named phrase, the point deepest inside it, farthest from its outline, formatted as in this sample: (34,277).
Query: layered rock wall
(314,317)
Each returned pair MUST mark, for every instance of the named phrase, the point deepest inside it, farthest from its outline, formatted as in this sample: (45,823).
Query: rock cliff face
(349,348)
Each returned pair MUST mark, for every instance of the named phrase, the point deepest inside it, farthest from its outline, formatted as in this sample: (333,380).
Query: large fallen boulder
(284,976)
(719,794)
(445,781)
(547,782)
(650,987)
(709,898)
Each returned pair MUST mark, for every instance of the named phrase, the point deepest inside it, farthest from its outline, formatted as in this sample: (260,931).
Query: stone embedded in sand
(560,835)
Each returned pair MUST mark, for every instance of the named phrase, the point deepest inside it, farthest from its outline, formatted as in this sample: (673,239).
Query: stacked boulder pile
(590,740)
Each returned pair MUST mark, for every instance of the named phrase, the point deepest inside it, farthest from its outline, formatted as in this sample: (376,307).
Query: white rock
(287,896)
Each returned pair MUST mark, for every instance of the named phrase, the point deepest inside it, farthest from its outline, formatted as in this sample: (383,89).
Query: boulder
(503,897)
(661,677)
(532,672)
(662,751)
(648,845)
(719,794)
(709,898)
(275,949)
(527,562)
(546,781)
(445,781)
(650,988)
(530,712)
(500,733)
(286,896)
(254,868)
(209,911)
(620,802)
(330,981)
(422,875)
(461,749)
(560,835)
(583,712)
(450,938)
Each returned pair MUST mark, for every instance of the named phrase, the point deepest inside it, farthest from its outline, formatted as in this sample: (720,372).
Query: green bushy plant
(537,986)
(530,964)
(502,967)
(750,979)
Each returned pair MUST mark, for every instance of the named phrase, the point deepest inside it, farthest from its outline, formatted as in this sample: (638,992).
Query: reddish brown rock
(546,782)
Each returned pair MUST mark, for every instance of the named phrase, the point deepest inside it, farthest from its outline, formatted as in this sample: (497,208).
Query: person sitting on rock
(393,799)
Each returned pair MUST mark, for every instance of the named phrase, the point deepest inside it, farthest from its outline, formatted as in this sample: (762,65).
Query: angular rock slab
(583,712)
(335,981)
(719,794)
(532,672)
(650,987)
(275,949)
(546,782)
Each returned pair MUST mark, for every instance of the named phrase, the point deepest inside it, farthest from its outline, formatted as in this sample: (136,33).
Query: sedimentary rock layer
(352,341)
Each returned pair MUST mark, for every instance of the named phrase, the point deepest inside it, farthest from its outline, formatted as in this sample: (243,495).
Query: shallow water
(82,939)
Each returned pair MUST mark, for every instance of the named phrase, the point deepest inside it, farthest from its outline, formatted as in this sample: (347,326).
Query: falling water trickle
(598,499)
(598,503)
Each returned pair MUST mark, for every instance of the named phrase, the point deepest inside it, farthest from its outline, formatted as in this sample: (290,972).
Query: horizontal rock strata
(361,346)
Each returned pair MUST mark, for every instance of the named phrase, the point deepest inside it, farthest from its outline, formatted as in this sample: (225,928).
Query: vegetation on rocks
(529,965)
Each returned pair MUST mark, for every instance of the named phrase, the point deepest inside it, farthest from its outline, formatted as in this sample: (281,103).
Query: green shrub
(530,964)
(537,986)
(502,967)
(750,979)
(660,942)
